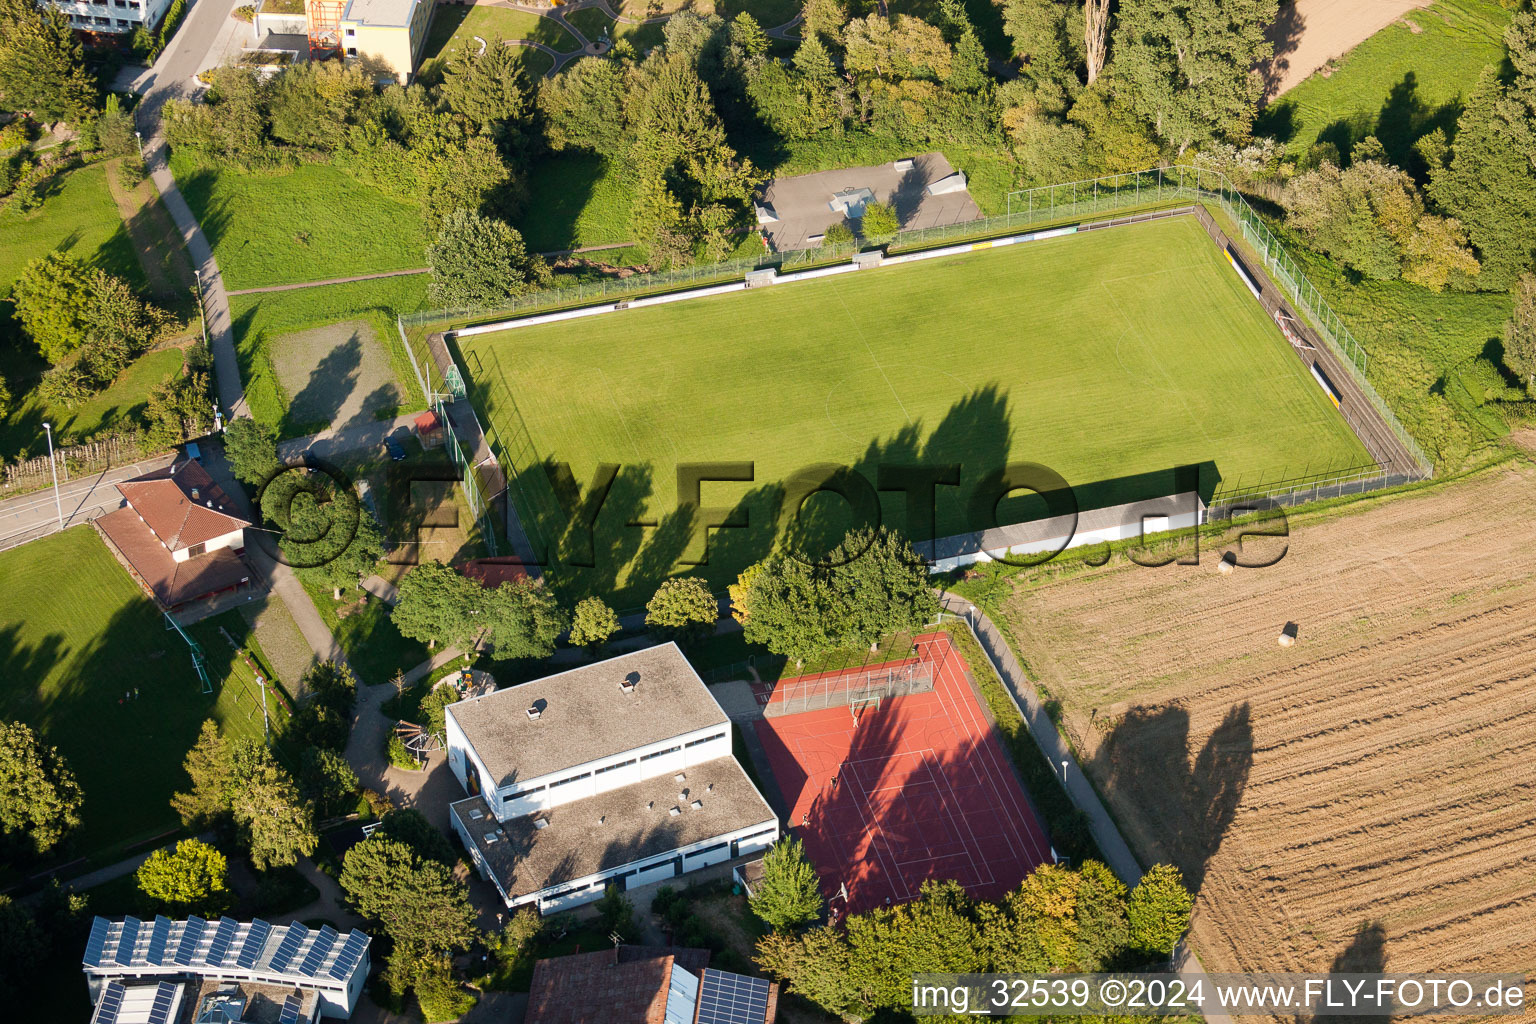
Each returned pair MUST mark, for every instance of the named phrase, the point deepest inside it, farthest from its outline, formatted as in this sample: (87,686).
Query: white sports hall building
(615,773)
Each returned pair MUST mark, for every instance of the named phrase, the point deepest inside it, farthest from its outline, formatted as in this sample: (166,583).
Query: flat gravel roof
(615,828)
(585,714)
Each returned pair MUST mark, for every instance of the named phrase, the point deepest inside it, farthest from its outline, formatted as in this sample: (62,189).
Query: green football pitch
(1109,357)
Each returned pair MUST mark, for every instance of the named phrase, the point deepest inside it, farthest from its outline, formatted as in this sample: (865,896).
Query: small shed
(429,429)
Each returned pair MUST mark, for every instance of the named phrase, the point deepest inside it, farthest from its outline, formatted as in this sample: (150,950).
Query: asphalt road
(29,516)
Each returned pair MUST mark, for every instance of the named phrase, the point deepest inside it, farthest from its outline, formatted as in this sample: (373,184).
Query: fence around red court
(921,787)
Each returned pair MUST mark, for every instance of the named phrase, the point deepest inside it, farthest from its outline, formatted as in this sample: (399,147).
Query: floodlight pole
(266,725)
(52,468)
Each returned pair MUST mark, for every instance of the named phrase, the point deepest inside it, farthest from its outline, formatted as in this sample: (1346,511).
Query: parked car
(394,448)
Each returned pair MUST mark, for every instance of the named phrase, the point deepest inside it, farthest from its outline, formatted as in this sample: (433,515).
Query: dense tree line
(238,784)
(439,605)
(1058,919)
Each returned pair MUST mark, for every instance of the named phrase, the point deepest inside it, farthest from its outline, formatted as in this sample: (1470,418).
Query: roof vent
(538,708)
(682,797)
(697,805)
(602,819)
(194,494)
(539,824)
(709,788)
(673,812)
(650,805)
(490,838)
(680,777)
(629,682)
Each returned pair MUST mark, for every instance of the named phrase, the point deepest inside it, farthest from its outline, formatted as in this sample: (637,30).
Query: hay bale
(1227,564)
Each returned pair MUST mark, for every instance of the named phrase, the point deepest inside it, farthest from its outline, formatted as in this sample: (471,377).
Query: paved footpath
(172,78)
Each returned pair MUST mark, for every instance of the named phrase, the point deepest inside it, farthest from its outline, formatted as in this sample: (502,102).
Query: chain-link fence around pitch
(1044,206)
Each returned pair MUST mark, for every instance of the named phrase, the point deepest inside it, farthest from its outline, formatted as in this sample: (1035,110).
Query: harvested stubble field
(1362,797)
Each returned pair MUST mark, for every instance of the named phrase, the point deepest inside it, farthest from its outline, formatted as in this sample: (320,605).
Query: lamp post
(57,504)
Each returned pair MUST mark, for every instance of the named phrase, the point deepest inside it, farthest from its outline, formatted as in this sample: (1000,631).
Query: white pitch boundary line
(1009,797)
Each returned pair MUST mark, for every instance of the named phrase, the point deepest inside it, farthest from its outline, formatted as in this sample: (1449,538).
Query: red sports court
(888,791)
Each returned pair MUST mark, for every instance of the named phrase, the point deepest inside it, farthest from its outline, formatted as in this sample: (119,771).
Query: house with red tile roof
(180,535)
(646,985)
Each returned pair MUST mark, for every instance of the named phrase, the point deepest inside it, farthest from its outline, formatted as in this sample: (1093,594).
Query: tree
(1189,65)
(593,624)
(1489,181)
(1159,909)
(251,449)
(1048,39)
(749,35)
(839,234)
(1520,334)
(361,554)
(481,262)
(33,933)
(5,399)
(437,605)
(210,764)
(324,720)
(39,798)
(327,781)
(192,879)
(1371,218)
(615,912)
(42,64)
(584,107)
(413,898)
(411,827)
(896,47)
(1095,35)
(276,826)
(790,892)
(682,609)
(879,223)
(785,608)
(814,62)
(868,587)
(51,295)
(488,90)
(824,19)
(522,620)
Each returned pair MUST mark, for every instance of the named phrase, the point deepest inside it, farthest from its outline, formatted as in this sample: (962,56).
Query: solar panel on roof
(222,937)
(290,945)
(316,955)
(160,1012)
(126,940)
(290,1014)
(255,942)
(157,940)
(111,1003)
(726,998)
(191,935)
(97,940)
(351,952)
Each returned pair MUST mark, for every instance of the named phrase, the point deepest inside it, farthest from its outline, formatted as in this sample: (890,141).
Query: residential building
(388,33)
(114,16)
(615,773)
(179,534)
(646,985)
(227,971)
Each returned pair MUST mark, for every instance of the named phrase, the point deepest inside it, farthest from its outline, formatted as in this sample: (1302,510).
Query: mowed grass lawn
(78,217)
(313,223)
(1399,84)
(575,200)
(1103,356)
(454,29)
(76,635)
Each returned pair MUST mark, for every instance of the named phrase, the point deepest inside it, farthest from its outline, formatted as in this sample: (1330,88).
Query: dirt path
(1362,797)
(1309,33)
(155,240)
